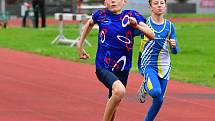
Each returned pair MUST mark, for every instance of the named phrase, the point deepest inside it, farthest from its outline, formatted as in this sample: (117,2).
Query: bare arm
(87,28)
(146,30)
(142,27)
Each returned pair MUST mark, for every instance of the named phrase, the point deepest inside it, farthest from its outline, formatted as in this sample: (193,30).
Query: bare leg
(118,91)
(113,117)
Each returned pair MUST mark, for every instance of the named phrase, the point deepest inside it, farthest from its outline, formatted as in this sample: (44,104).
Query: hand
(132,21)
(82,53)
(172,43)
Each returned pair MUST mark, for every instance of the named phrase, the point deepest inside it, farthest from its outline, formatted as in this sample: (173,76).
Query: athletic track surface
(38,88)
(51,21)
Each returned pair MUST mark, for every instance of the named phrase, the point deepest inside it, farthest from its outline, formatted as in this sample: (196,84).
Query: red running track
(38,88)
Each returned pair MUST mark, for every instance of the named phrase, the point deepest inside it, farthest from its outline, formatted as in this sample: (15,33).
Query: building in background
(205,6)
(71,6)
(138,5)
(52,6)
(189,6)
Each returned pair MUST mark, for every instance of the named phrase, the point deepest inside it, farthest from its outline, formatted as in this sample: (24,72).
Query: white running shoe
(141,94)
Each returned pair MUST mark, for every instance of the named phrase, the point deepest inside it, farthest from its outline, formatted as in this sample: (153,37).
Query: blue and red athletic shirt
(115,39)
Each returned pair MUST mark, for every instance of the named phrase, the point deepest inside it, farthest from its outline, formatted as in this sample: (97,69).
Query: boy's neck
(157,19)
(117,12)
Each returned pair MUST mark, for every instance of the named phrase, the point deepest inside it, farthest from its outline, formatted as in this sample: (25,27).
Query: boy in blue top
(117,29)
(154,57)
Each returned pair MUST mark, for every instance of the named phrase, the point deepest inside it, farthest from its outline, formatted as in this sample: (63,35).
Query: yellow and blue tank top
(155,53)
(115,39)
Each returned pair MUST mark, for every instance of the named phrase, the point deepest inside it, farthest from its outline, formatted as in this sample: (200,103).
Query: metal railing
(4,17)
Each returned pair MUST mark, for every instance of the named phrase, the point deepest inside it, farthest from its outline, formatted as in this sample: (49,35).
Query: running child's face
(158,7)
(115,6)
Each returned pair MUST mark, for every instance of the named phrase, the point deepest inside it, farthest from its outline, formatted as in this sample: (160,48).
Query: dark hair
(151,1)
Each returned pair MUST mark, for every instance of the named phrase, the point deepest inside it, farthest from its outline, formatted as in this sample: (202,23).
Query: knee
(155,93)
(158,100)
(118,91)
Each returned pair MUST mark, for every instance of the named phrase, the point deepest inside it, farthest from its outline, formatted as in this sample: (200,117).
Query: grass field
(189,15)
(194,64)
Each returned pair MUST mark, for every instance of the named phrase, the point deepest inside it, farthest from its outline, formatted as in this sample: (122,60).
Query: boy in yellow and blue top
(117,28)
(154,58)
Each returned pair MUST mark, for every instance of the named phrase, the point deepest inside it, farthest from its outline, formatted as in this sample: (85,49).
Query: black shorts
(108,78)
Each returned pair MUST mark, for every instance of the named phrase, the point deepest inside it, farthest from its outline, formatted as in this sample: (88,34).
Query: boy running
(117,28)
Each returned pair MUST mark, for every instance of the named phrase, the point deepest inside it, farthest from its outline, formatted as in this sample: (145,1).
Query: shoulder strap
(170,30)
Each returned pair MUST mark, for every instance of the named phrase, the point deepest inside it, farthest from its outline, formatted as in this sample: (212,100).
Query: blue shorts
(108,78)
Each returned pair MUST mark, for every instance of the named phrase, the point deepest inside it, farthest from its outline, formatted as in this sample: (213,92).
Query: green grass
(189,15)
(194,64)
